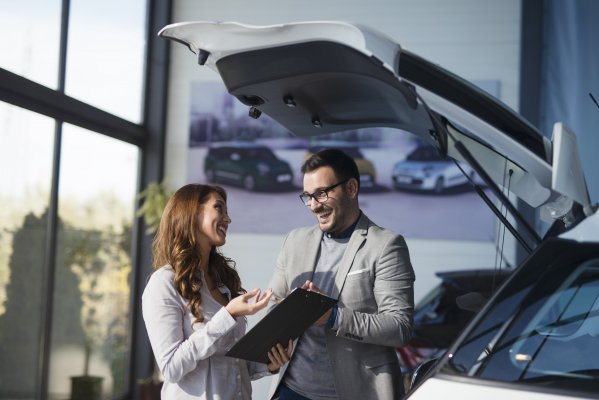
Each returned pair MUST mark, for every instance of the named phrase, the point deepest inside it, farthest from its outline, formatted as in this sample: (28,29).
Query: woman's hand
(241,305)
(279,356)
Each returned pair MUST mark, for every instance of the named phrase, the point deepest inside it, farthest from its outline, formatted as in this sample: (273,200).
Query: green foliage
(154,198)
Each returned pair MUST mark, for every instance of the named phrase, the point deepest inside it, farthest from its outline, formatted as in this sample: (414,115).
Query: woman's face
(213,222)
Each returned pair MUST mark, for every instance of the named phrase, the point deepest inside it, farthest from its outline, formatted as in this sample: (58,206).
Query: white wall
(476,39)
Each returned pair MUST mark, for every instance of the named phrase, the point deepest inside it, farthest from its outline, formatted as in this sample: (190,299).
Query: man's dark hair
(342,165)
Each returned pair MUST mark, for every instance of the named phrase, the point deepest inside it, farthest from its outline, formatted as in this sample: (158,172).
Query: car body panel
(569,177)
(438,388)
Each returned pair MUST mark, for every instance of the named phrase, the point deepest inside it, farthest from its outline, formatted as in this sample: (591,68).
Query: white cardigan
(192,359)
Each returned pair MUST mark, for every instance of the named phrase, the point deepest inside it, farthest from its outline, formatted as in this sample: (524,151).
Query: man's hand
(279,356)
(309,285)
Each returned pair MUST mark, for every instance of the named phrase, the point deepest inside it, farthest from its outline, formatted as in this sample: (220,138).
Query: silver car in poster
(424,169)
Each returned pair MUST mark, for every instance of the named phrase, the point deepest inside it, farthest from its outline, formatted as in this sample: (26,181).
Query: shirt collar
(346,233)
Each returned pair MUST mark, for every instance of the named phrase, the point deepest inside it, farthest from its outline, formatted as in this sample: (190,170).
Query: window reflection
(106,55)
(96,211)
(26,164)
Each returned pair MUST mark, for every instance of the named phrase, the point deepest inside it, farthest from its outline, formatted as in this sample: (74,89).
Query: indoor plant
(88,265)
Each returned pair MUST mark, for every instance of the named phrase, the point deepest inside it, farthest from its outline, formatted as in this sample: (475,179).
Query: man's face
(340,209)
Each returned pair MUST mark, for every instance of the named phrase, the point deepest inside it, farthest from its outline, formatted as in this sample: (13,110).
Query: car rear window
(543,329)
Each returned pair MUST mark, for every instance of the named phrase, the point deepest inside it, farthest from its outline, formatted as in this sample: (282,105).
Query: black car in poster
(249,165)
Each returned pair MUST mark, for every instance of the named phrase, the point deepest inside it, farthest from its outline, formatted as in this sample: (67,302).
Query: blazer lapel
(312,248)
(355,242)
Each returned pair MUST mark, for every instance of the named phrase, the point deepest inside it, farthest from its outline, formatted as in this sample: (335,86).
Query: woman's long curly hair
(177,244)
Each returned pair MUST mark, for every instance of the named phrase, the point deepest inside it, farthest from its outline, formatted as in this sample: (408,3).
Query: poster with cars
(405,185)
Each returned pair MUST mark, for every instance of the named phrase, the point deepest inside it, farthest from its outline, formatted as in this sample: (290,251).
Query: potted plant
(149,388)
(154,198)
(87,264)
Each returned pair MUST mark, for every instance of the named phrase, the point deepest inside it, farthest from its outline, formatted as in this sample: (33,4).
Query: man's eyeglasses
(320,195)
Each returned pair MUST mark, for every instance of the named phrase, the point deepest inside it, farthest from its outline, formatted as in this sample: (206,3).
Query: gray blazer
(375,289)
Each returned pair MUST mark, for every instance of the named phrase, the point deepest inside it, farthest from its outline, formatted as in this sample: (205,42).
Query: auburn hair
(176,244)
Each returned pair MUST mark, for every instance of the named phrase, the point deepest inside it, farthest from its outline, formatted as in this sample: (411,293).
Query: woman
(194,306)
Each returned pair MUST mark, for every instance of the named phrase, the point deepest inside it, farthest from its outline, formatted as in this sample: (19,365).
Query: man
(349,353)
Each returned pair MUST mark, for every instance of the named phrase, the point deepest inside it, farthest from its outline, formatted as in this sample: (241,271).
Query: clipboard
(287,320)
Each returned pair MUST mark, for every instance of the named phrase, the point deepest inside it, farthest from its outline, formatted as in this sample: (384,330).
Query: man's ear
(352,187)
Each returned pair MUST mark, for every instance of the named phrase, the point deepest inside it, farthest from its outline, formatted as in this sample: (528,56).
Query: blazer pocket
(379,359)
(357,291)
(358,272)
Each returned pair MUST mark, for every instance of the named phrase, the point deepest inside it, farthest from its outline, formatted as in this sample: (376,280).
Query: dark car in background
(249,165)
(445,310)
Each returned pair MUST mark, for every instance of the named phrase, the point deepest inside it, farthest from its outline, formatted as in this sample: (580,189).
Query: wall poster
(405,187)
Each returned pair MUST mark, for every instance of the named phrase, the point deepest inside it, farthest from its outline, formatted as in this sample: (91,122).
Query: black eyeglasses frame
(305,198)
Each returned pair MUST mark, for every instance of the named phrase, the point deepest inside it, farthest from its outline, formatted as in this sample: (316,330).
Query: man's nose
(313,204)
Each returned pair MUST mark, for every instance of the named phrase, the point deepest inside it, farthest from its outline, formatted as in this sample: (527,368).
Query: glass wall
(26,163)
(90,330)
(68,196)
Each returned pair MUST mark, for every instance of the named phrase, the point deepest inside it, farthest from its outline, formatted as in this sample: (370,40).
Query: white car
(424,169)
(538,336)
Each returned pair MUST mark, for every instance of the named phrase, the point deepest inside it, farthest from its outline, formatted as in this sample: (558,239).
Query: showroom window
(90,328)
(74,152)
